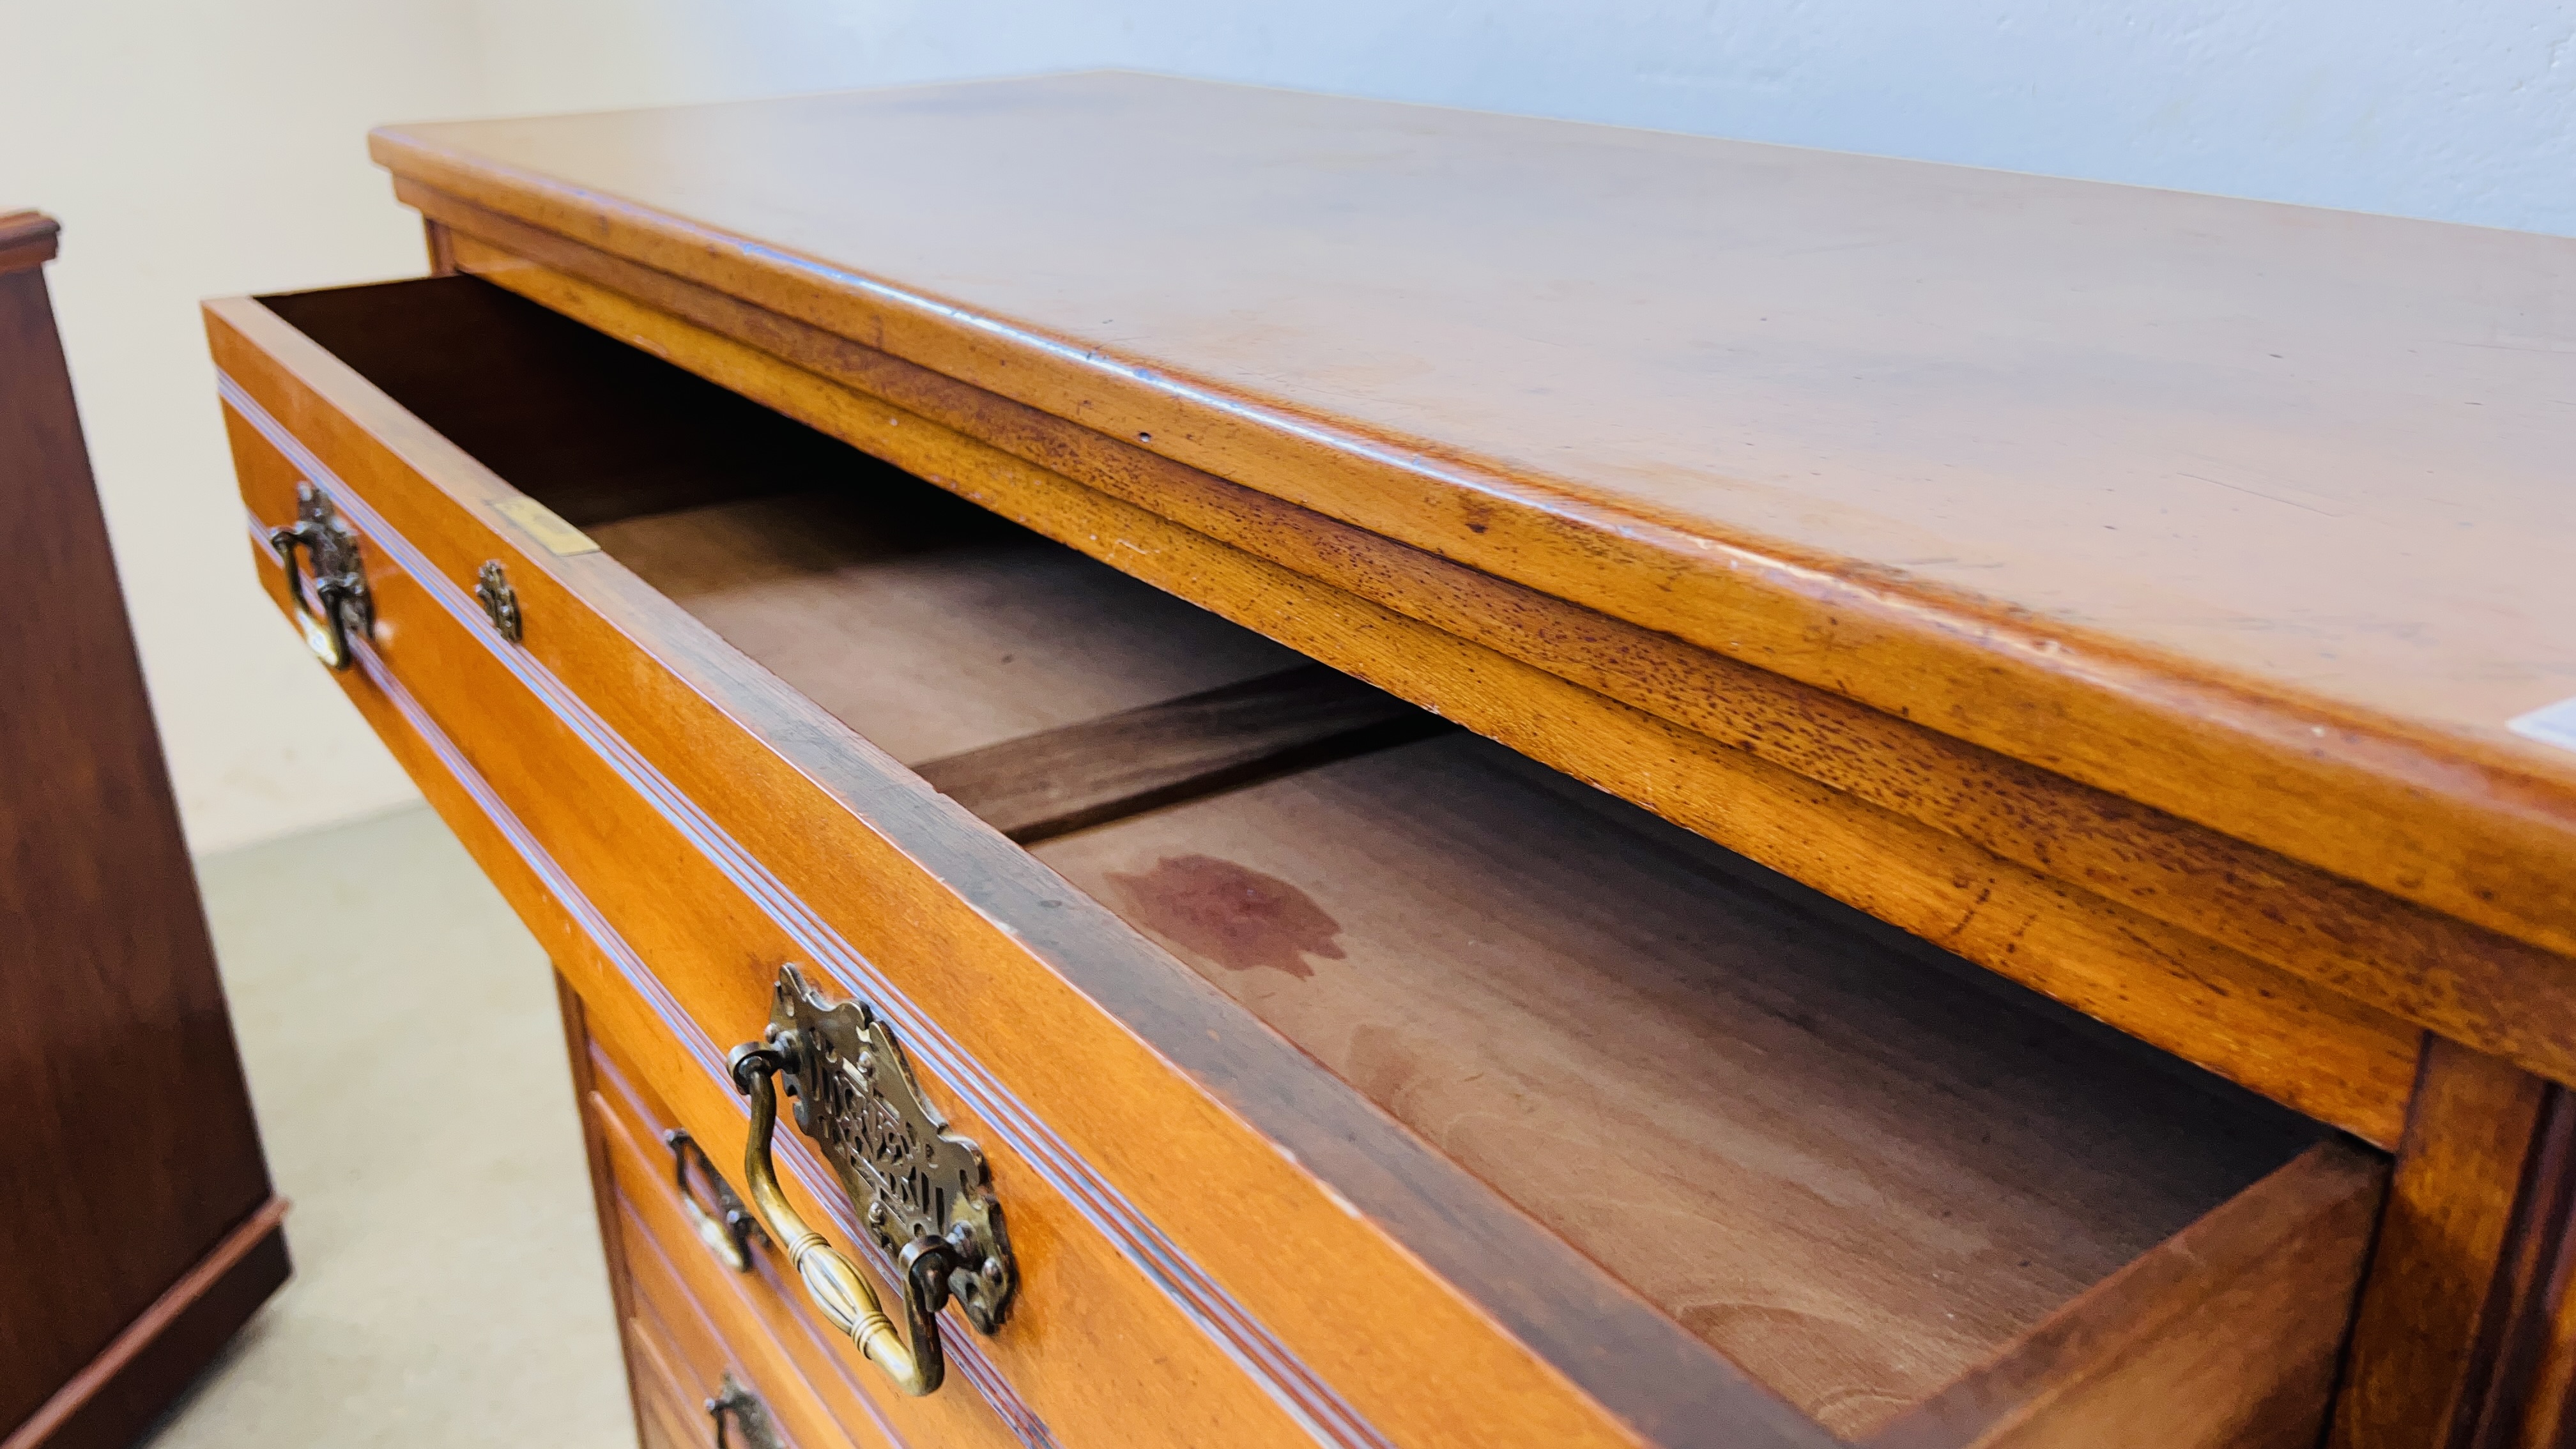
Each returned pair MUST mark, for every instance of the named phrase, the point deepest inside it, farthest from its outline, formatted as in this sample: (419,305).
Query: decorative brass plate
(736,1404)
(910,1177)
(500,601)
(545,526)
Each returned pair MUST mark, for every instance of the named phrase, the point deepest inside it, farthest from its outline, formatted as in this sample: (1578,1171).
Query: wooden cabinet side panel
(132,1152)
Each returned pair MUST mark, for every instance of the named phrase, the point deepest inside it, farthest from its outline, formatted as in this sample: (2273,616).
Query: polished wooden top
(2258,513)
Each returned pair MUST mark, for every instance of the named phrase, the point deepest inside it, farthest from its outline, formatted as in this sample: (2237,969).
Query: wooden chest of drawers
(1476,782)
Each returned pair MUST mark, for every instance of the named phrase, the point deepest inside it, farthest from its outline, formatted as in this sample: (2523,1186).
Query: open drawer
(1344,1077)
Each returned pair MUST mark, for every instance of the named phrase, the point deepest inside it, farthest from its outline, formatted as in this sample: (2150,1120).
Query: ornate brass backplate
(910,1177)
(500,601)
(735,1404)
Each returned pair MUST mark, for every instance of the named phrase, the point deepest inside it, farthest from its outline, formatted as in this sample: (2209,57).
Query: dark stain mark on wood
(1234,916)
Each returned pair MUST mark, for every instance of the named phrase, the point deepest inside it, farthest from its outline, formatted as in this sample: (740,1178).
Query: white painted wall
(2463,110)
(193,152)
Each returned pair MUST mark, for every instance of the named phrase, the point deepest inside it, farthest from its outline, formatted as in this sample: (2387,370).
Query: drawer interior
(1856,1168)
(1856,1165)
(930,625)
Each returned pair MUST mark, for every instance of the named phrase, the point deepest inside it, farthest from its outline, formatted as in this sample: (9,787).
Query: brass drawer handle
(728,1230)
(926,1195)
(831,1280)
(339,584)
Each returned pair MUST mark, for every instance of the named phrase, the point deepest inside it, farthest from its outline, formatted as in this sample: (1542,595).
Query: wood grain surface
(131,1150)
(2434,1312)
(1851,1171)
(1050,784)
(928,624)
(2015,891)
(2240,510)
(2472,984)
(1053,692)
(522,407)
(846,826)
(2227,1335)
(148,1366)
(1089,1025)
(672,1416)
(2529,1397)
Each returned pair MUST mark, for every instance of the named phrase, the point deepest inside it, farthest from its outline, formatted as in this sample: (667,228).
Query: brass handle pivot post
(921,1191)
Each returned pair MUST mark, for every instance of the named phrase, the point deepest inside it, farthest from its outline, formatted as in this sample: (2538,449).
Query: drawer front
(676,825)
(664,1415)
(679,1363)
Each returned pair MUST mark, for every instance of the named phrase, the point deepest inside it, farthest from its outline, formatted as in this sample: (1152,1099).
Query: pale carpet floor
(400,1032)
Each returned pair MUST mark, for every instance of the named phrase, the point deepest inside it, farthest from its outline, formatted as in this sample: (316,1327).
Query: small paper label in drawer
(545,526)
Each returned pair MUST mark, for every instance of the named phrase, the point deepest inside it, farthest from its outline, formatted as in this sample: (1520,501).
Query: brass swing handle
(328,635)
(831,1280)
(339,587)
(727,1231)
